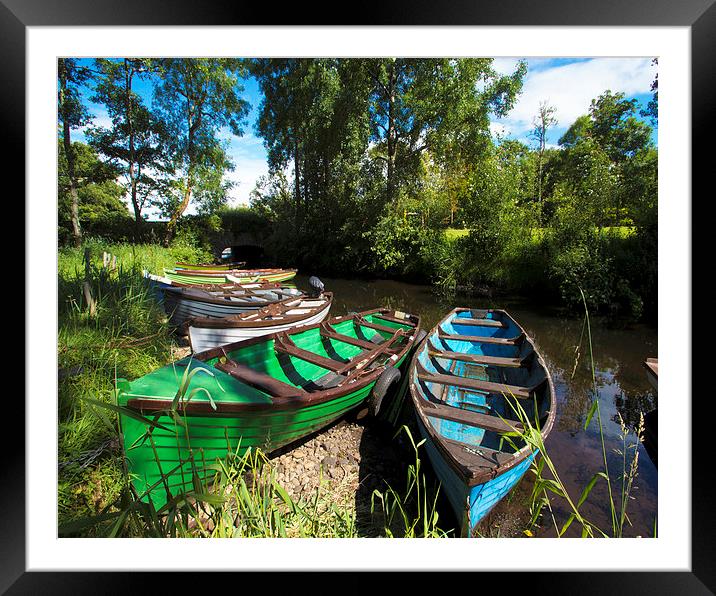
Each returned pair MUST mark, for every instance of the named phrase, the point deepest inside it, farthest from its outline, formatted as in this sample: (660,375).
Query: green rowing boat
(186,276)
(263,392)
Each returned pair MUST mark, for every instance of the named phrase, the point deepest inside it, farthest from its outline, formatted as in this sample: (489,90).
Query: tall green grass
(546,477)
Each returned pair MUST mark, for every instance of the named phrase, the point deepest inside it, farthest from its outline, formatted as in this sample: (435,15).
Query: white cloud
(247,172)
(571,87)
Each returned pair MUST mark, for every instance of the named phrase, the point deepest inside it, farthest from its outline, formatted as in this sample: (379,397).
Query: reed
(544,485)
(412,513)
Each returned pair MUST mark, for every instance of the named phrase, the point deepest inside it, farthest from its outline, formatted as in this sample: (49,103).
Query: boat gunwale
(471,475)
(236,322)
(183,294)
(279,404)
(233,272)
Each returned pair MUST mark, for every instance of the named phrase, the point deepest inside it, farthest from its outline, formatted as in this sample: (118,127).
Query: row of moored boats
(277,368)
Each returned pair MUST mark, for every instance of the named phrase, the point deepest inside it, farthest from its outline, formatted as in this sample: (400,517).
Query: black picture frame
(699,15)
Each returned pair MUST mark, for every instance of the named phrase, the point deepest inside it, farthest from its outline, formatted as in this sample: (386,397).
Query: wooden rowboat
(210,267)
(464,376)
(209,332)
(182,304)
(236,276)
(265,392)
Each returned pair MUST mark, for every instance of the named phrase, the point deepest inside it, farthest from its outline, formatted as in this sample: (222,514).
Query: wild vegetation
(377,167)
(371,163)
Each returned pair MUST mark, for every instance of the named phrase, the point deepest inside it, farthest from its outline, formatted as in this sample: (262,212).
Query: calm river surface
(622,386)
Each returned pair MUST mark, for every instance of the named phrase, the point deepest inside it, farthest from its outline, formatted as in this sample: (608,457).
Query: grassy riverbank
(127,336)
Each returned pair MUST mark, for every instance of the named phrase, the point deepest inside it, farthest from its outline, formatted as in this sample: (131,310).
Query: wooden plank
(259,380)
(475,457)
(385,317)
(474,384)
(363,359)
(478,322)
(485,421)
(358,320)
(327,331)
(283,343)
(503,341)
(476,358)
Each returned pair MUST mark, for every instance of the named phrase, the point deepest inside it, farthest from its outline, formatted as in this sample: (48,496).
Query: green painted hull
(246,417)
(190,278)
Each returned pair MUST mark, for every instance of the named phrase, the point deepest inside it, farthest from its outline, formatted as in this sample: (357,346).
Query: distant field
(622,231)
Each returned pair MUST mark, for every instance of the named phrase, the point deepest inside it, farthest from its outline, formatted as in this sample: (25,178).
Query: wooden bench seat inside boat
(284,344)
(504,341)
(327,331)
(455,414)
(259,380)
(478,322)
(479,358)
(360,321)
(474,459)
(475,384)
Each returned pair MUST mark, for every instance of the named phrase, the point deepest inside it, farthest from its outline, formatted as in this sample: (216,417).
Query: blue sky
(568,84)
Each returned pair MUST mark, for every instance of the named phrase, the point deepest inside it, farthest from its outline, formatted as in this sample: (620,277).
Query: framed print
(667,47)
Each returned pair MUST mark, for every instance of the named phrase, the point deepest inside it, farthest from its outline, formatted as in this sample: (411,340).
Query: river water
(622,389)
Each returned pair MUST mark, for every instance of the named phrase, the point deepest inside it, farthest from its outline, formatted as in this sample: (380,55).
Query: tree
(136,139)
(599,165)
(542,123)
(72,114)
(652,108)
(198,98)
(99,195)
(441,105)
(314,121)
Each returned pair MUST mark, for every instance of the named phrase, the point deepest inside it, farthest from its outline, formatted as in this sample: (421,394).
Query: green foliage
(395,242)
(100,197)
(137,139)
(197,98)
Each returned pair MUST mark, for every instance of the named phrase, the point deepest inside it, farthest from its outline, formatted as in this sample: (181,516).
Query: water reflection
(622,388)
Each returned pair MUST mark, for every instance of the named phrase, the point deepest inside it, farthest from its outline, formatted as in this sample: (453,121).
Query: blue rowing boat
(465,378)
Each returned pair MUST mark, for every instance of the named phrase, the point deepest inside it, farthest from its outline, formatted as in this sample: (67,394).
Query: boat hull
(464,381)
(180,307)
(206,439)
(471,503)
(252,394)
(186,277)
(204,338)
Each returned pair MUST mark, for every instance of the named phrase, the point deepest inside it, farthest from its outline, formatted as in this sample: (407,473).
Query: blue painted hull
(471,504)
(463,378)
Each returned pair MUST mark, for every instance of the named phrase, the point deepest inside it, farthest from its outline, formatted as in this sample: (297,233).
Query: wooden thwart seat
(477,358)
(259,380)
(358,320)
(478,322)
(392,319)
(327,331)
(454,414)
(474,384)
(503,341)
(283,343)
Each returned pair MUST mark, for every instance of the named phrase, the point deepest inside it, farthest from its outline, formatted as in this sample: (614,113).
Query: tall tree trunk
(297,185)
(193,126)
(75,211)
(67,142)
(392,145)
(171,225)
(132,150)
